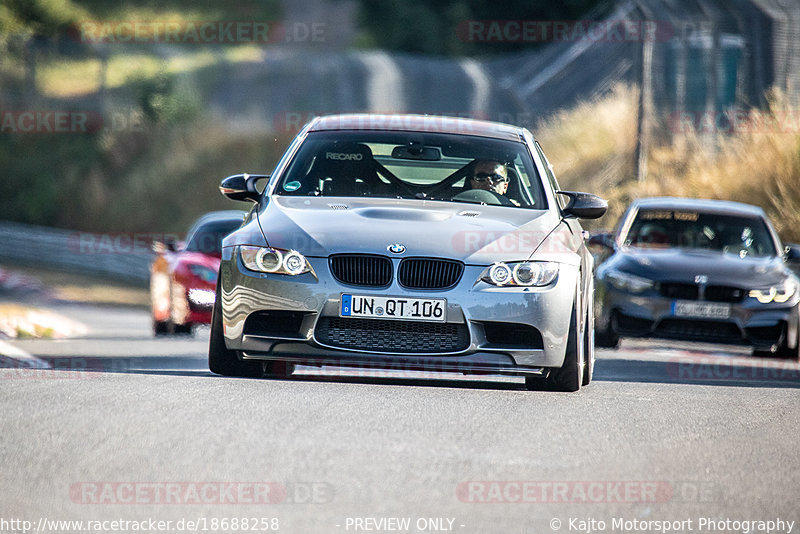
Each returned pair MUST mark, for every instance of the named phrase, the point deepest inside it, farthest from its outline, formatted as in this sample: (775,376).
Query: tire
(222,360)
(607,338)
(183,329)
(278,369)
(569,377)
(588,339)
(161,328)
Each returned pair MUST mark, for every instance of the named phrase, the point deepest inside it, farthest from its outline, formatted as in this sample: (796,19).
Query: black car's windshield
(207,237)
(733,234)
(425,166)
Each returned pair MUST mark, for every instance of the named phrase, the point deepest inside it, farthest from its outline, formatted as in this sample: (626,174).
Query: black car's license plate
(393,308)
(701,310)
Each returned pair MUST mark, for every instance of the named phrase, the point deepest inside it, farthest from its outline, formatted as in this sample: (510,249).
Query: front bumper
(763,326)
(488,329)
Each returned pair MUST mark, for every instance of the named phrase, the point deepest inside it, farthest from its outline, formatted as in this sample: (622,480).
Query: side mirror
(584,205)
(242,186)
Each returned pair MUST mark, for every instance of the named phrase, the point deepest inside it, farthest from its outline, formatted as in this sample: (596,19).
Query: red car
(183,276)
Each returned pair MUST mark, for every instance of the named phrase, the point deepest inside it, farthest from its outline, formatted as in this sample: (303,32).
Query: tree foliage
(434,26)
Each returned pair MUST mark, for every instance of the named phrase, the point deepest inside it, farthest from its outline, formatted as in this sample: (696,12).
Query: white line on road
(385,83)
(12,356)
(481,85)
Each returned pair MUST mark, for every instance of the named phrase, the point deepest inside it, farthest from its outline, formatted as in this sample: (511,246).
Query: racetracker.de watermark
(292,121)
(559,492)
(202,492)
(198,32)
(559,31)
(122,242)
(708,368)
(42,121)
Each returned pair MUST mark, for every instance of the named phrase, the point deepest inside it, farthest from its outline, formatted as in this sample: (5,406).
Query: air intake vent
(468,213)
(378,335)
(429,273)
(361,269)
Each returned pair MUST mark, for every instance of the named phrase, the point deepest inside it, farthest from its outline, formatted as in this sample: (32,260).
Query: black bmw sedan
(699,270)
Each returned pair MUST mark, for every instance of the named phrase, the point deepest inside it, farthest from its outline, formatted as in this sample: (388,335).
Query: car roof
(702,204)
(221,215)
(416,123)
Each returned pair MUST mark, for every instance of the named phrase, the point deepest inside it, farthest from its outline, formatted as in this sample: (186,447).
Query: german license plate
(701,310)
(393,308)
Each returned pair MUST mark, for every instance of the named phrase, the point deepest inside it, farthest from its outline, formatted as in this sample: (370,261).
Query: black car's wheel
(222,360)
(606,338)
(568,377)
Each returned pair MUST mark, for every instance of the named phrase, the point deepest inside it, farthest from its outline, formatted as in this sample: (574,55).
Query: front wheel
(222,360)
(570,376)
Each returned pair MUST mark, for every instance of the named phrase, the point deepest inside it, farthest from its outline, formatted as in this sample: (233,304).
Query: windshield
(410,165)
(207,237)
(732,234)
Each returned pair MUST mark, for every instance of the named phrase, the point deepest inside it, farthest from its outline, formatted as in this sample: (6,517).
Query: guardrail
(75,251)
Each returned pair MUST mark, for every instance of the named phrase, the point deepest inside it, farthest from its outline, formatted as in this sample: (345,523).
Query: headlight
(779,294)
(203,297)
(273,260)
(629,282)
(525,274)
(204,273)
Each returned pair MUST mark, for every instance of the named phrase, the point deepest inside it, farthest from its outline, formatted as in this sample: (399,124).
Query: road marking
(11,356)
(385,83)
(481,85)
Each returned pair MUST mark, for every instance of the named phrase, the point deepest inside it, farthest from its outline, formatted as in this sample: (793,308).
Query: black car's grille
(631,324)
(699,330)
(673,290)
(724,294)
(429,273)
(392,336)
(362,269)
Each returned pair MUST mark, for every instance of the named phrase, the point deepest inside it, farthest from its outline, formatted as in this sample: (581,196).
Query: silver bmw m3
(408,242)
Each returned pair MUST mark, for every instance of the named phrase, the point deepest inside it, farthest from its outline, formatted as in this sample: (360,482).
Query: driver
(490,175)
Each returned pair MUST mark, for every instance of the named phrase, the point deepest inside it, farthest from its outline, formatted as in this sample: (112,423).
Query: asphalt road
(131,428)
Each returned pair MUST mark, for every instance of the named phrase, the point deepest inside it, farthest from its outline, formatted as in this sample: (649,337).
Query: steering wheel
(482,196)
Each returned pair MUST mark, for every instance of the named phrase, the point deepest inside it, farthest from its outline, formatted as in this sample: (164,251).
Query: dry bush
(592,148)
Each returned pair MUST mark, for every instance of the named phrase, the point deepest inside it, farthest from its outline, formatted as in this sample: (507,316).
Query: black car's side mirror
(584,205)
(242,186)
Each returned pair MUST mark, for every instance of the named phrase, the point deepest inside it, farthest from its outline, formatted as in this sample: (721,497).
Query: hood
(679,265)
(472,233)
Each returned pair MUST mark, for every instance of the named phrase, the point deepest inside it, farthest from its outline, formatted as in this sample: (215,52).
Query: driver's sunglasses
(494,177)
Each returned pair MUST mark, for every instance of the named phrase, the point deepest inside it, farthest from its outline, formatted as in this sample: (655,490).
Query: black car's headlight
(274,260)
(780,293)
(524,273)
(629,282)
